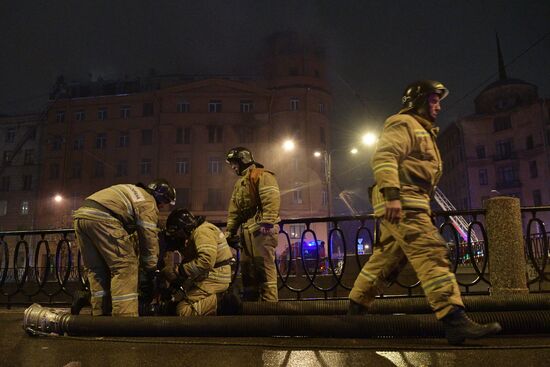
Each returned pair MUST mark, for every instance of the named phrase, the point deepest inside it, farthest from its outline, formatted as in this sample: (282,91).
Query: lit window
(3,207)
(214,166)
(183,106)
(102,114)
(24,207)
(182,166)
(125,112)
(247,106)
(294,104)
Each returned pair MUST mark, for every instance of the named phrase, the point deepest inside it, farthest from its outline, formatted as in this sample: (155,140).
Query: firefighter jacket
(135,209)
(407,158)
(207,255)
(255,200)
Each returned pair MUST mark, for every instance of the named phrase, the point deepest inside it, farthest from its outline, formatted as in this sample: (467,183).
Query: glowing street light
(288,145)
(354,151)
(58,198)
(369,139)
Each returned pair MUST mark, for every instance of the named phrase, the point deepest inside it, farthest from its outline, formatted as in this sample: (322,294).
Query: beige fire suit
(407,158)
(256,201)
(107,227)
(206,261)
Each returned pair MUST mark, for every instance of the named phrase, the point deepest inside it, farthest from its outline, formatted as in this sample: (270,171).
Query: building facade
(19,171)
(180,128)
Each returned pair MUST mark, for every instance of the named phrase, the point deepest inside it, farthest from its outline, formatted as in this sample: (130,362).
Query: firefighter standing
(407,166)
(107,227)
(205,270)
(254,204)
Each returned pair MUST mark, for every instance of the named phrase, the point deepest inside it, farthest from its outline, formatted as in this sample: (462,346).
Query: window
(123,139)
(295,163)
(148,109)
(502,123)
(246,134)
(294,104)
(80,115)
(321,108)
(537,198)
(480,151)
(78,143)
(102,114)
(27,182)
(101,141)
(147,137)
(183,106)
(507,174)
(183,135)
(99,169)
(504,149)
(322,135)
(125,112)
(29,156)
(215,105)
(246,105)
(3,207)
(215,134)
(182,166)
(60,116)
(297,194)
(182,195)
(214,166)
(8,155)
(533,169)
(296,230)
(215,201)
(122,168)
(76,170)
(5,183)
(10,135)
(24,209)
(324,198)
(483,178)
(57,142)
(529,144)
(54,171)
(145,167)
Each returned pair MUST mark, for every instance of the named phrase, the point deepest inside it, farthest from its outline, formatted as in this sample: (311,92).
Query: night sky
(374,48)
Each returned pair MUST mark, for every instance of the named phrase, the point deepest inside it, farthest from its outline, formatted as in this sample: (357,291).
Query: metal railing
(45,266)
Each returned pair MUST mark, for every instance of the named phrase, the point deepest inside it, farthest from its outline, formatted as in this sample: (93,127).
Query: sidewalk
(19,349)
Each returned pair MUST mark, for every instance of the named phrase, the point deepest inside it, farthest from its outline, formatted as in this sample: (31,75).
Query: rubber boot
(81,299)
(356,309)
(459,327)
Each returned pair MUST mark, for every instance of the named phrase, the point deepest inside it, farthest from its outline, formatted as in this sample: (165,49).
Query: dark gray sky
(374,47)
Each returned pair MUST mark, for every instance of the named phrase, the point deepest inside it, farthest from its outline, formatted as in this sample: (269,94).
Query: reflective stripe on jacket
(407,158)
(253,206)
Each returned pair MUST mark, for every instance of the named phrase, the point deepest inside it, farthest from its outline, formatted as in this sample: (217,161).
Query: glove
(147,285)
(234,241)
(174,275)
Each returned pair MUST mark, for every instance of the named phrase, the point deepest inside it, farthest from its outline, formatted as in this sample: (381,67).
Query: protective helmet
(162,191)
(415,97)
(240,155)
(181,223)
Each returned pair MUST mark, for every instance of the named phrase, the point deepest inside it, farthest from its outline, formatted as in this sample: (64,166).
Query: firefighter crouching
(205,271)
(116,231)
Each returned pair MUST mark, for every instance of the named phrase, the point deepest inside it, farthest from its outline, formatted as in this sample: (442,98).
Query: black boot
(356,309)
(81,299)
(458,326)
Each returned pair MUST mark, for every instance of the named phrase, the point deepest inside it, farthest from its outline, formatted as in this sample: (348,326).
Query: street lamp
(369,139)
(288,145)
(58,198)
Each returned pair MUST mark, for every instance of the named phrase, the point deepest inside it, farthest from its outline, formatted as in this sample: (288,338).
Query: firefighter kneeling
(205,271)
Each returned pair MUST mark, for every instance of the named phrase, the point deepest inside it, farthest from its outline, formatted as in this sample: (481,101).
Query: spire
(501,66)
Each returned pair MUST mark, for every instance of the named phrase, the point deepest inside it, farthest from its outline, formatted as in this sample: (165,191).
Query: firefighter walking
(116,231)
(407,166)
(255,204)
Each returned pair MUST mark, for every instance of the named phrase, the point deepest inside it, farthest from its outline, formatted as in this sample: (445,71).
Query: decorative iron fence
(316,258)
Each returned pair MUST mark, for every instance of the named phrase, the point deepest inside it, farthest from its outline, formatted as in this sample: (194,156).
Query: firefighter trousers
(417,240)
(110,256)
(258,269)
(202,298)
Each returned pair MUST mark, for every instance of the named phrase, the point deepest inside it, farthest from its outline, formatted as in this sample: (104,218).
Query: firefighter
(254,205)
(407,166)
(204,273)
(116,231)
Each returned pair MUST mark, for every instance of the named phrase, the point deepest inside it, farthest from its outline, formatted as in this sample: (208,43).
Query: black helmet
(162,191)
(240,155)
(415,97)
(181,223)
